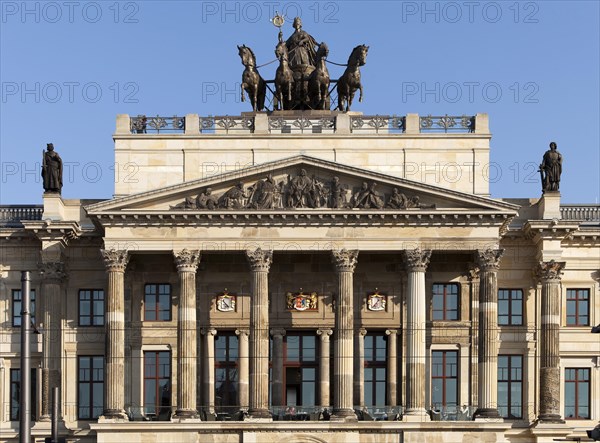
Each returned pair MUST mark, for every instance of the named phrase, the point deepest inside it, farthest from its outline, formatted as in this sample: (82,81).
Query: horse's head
(247,56)
(323,50)
(359,55)
(281,51)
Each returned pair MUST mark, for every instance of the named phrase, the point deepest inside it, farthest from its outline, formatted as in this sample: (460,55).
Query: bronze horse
(349,82)
(252,82)
(318,82)
(284,79)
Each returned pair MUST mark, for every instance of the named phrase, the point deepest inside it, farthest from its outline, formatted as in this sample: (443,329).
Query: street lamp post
(25,400)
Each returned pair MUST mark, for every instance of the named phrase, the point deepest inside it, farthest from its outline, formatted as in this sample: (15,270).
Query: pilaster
(243,365)
(324,369)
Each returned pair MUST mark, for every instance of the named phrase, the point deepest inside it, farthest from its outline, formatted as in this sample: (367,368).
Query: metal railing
(301,125)
(226,124)
(14,214)
(157,125)
(385,124)
(580,212)
(445,123)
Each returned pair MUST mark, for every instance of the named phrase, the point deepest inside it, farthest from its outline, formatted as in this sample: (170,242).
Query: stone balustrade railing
(13,214)
(307,122)
(580,212)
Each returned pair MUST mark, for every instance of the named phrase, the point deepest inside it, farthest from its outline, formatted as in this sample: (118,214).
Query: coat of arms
(299,301)
(226,302)
(376,301)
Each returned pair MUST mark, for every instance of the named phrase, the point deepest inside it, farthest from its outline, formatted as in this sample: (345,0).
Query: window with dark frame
(300,368)
(510,307)
(157,385)
(445,301)
(157,302)
(91,307)
(15,394)
(375,370)
(510,386)
(577,393)
(226,372)
(90,387)
(444,378)
(16,304)
(578,307)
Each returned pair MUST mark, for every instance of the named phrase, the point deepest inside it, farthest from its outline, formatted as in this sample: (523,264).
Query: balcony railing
(580,212)
(14,214)
(309,122)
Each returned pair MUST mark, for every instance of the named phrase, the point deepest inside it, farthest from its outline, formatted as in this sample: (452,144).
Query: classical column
(549,274)
(53,274)
(489,262)
(114,321)
(277,381)
(243,372)
(359,368)
(324,357)
(473,276)
(260,262)
(416,349)
(392,367)
(345,263)
(209,368)
(187,265)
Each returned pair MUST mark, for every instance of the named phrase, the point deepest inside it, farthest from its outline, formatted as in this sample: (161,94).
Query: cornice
(328,217)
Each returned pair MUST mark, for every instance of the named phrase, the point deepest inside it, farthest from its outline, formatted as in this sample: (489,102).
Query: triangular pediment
(300,183)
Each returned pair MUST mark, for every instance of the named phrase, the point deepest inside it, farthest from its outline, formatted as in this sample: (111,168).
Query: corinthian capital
(52,271)
(489,259)
(417,259)
(186,261)
(260,260)
(345,260)
(550,270)
(115,261)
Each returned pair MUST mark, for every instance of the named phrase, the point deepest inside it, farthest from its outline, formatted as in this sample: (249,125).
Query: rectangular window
(375,369)
(16,312)
(157,384)
(15,394)
(445,301)
(226,372)
(91,307)
(444,378)
(300,370)
(157,302)
(510,386)
(510,307)
(577,393)
(578,307)
(90,390)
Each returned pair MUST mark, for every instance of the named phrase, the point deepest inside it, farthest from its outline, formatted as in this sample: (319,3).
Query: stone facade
(357,301)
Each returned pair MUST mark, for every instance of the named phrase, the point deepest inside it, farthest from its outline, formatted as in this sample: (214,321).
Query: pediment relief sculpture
(302,191)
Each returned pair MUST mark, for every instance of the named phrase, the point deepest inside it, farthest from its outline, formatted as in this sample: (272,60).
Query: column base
(260,414)
(550,418)
(185,414)
(485,413)
(343,415)
(416,415)
(44,418)
(113,416)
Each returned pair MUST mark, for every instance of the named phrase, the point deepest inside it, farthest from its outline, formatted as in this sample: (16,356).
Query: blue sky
(68,68)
